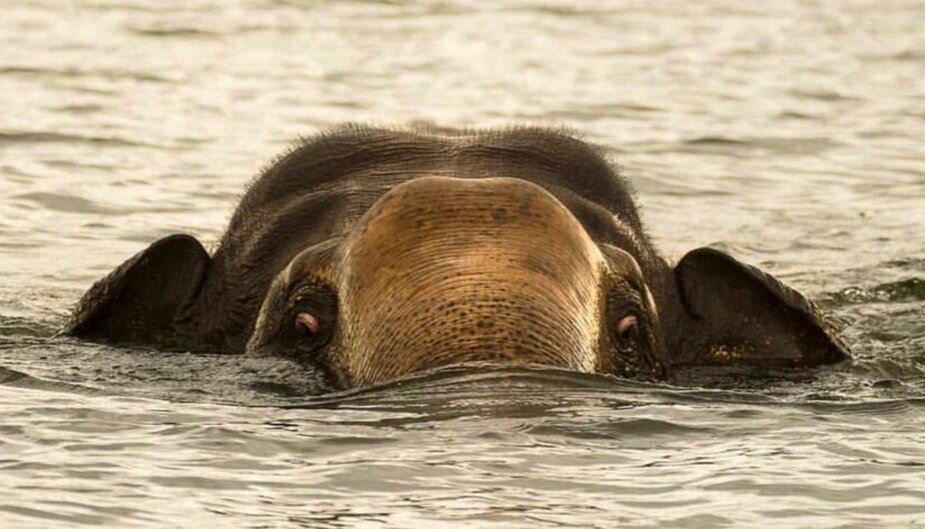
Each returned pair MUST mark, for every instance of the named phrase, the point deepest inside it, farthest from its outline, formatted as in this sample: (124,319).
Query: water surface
(787,133)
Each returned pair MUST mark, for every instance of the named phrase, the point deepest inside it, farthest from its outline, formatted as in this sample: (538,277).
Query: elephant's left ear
(742,315)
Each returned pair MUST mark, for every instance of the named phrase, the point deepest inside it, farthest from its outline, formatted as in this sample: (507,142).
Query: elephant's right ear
(741,315)
(142,300)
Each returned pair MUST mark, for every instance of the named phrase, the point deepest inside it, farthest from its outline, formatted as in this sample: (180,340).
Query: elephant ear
(145,298)
(744,316)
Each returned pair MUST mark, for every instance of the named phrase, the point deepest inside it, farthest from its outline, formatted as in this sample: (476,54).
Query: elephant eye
(313,309)
(627,327)
(306,324)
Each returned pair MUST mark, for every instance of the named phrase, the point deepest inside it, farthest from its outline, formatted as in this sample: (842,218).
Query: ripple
(883,408)
(175,32)
(8,137)
(17,379)
(44,72)
(621,428)
(779,145)
(68,204)
(80,109)
(824,95)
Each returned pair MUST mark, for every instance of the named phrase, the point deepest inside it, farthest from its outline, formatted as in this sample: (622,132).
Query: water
(788,133)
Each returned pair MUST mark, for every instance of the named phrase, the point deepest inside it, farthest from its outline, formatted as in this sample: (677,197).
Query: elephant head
(375,254)
(443,271)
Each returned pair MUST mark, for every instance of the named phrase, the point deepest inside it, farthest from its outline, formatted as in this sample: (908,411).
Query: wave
(13,378)
(57,137)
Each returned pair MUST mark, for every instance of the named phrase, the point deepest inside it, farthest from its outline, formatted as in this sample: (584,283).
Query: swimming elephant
(374,254)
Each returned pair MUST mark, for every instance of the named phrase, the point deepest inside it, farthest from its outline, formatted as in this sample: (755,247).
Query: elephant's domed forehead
(455,213)
(444,270)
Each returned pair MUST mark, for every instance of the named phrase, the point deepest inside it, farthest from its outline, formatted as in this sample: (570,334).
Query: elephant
(375,254)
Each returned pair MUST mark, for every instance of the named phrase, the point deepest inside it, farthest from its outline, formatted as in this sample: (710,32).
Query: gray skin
(538,232)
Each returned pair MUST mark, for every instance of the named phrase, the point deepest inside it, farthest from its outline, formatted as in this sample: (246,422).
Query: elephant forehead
(492,221)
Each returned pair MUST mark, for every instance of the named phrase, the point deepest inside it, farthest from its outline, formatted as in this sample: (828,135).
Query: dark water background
(788,133)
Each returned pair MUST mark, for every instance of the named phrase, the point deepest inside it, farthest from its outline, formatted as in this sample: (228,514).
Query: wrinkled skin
(375,254)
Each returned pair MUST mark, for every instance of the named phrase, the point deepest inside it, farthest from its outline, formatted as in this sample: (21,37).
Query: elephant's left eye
(626,321)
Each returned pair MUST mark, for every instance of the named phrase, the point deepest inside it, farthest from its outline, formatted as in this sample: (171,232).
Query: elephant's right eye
(306,324)
(627,327)
(312,314)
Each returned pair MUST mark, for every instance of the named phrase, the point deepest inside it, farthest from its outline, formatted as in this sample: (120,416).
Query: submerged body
(374,254)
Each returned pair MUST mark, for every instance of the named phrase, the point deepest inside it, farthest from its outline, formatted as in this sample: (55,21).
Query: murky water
(788,133)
